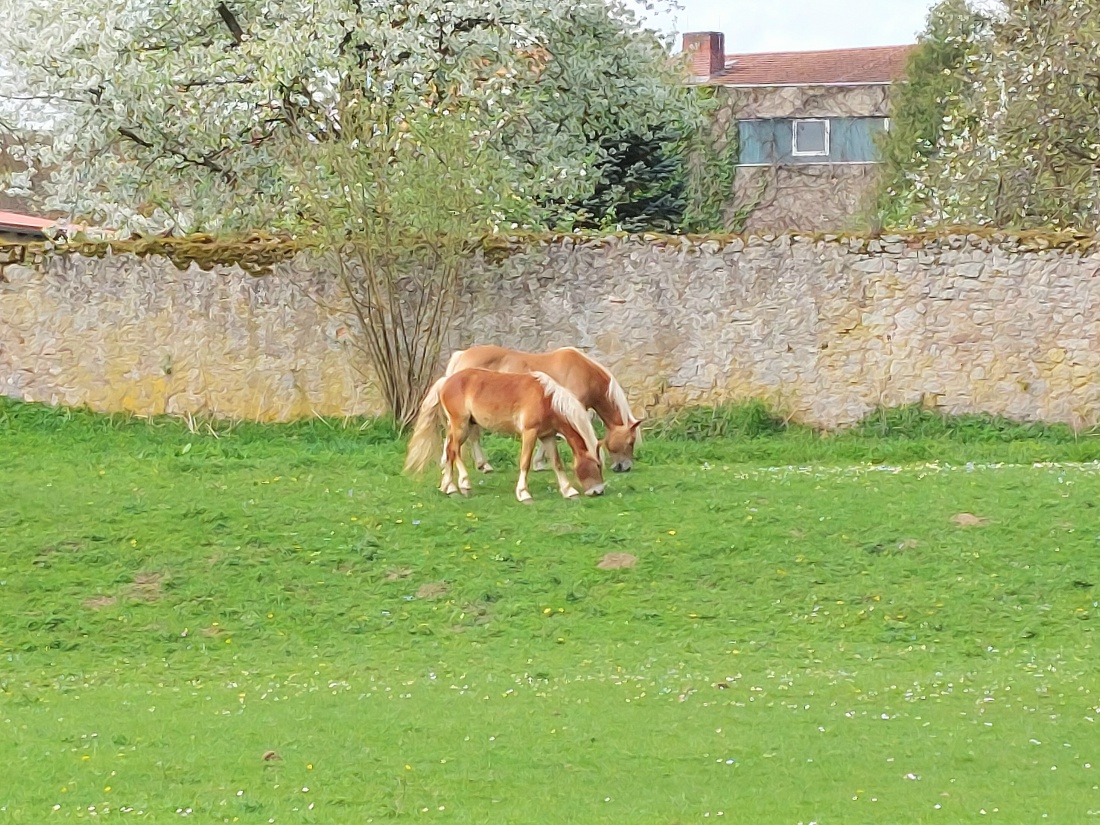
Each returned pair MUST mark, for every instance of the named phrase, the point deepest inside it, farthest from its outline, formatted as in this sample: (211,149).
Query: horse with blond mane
(530,405)
(592,384)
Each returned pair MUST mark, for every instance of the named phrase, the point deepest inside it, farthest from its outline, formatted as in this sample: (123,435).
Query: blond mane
(615,394)
(568,407)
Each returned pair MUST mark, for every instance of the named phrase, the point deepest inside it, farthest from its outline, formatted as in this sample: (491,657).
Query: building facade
(807,127)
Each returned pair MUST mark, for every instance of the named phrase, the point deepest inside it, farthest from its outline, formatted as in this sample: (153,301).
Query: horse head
(619,445)
(589,470)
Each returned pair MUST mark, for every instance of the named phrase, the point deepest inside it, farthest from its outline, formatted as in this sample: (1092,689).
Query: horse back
(577,373)
(568,366)
(497,401)
(489,357)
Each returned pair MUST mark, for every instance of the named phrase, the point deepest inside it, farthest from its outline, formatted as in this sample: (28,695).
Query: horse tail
(568,407)
(452,364)
(427,440)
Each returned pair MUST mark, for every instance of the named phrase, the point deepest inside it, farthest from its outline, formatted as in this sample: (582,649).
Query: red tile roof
(879,64)
(15,222)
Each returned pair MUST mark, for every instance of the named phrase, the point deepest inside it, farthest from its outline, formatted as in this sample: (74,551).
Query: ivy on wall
(711,170)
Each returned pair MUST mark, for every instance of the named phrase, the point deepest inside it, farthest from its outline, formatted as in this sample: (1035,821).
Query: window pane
(809,137)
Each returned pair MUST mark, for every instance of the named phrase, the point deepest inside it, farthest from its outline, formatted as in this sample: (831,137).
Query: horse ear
(635,425)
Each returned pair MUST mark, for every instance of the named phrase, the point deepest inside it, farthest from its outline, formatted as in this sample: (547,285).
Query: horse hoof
(571,493)
(465,491)
(524,497)
(486,467)
(451,490)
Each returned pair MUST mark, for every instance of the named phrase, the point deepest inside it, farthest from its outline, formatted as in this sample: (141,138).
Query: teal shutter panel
(765,141)
(769,141)
(854,138)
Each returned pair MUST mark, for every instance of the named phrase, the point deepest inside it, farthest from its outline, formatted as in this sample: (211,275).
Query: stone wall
(747,102)
(822,328)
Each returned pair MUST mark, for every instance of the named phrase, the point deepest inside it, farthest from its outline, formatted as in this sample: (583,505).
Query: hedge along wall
(823,328)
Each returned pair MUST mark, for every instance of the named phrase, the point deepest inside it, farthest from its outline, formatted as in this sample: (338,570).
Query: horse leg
(550,446)
(463,476)
(446,485)
(526,450)
(453,459)
(480,461)
(459,435)
(446,475)
(540,456)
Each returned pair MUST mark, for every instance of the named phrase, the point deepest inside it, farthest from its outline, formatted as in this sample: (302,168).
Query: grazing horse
(593,385)
(530,405)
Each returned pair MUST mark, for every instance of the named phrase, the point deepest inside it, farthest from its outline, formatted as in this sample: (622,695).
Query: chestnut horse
(530,405)
(592,384)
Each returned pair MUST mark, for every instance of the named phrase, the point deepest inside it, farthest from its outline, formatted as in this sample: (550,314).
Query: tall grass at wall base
(752,432)
(750,419)
(748,432)
(914,421)
(45,418)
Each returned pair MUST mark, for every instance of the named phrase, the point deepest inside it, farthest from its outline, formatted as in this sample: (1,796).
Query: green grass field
(270,624)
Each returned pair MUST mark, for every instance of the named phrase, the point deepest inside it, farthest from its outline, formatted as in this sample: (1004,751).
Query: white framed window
(810,138)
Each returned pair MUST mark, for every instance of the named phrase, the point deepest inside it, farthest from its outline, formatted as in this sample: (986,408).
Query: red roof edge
(24,223)
(870,65)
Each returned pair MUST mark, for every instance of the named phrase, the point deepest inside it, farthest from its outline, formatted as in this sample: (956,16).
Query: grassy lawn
(271,624)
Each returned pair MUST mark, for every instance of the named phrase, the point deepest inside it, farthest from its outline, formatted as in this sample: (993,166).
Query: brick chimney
(708,52)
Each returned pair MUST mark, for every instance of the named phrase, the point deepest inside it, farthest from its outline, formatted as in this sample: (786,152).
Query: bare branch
(204,162)
(231,23)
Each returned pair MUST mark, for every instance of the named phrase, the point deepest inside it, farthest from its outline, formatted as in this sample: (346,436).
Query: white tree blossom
(194,114)
(1021,142)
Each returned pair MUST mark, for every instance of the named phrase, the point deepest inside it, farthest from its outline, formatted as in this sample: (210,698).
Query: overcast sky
(782,25)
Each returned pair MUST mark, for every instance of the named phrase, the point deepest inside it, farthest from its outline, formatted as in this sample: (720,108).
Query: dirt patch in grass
(99,602)
(147,588)
(432,590)
(617,561)
(559,529)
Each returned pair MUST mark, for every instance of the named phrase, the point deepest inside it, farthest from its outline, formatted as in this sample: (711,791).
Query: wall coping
(257,253)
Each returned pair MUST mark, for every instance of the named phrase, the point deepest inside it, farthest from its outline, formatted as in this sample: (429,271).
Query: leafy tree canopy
(1017,93)
(196,114)
(933,77)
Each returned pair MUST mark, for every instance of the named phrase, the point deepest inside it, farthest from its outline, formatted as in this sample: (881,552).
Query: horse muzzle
(595,491)
(622,466)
